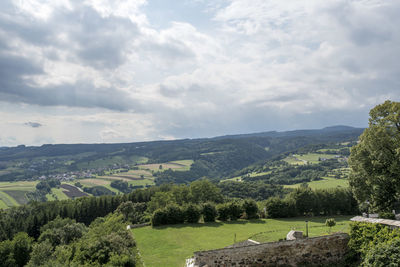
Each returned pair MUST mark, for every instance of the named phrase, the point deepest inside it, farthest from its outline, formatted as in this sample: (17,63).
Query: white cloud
(263,65)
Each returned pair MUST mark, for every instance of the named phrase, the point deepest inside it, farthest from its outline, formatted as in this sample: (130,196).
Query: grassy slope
(171,245)
(178,165)
(59,193)
(16,189)
(327,182)
(8,200)
(3,204)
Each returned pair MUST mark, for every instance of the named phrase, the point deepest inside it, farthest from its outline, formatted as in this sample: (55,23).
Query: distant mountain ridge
(215,157)
(294,133)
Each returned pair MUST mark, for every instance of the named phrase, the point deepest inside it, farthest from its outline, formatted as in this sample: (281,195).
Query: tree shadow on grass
(188,225)
(259,221)
(316,219)
(208,224)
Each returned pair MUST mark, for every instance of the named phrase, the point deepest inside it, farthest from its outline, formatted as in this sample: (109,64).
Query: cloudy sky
(85,71)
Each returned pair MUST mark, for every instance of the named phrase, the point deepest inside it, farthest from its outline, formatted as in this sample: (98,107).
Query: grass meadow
(171,245)
(325,183)
(311,158)
(13,193)
(178,165)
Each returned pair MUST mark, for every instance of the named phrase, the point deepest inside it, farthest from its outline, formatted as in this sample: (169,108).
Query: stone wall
(317,251)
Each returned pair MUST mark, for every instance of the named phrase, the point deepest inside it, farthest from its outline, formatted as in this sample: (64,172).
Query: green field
(18,195)
(59,193)
(312,158)
(234,179)
(293,160)
(326,182)
(252,174)
(171,245)
(3,204)
(141,177)
(13,193)
(178,165)
(8,200)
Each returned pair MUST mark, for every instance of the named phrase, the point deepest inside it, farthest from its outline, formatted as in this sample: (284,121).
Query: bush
(159,217)
(223,212)
(330,223)
(235,210)
(251,208)
(365,236)
(279,208)
(133,212)
(175,214)
(209,212)
(387,215)
(192,213)
(98,190)
(123,261)
(383,254)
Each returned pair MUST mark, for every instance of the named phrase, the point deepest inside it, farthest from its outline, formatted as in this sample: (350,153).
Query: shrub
(279,208)
(209,212)
(133,212)
(175,214)
(383,254)
(251,208)
(235,210)
(387,215)
(159,217)
(223,212)
(330,223)
(192,213)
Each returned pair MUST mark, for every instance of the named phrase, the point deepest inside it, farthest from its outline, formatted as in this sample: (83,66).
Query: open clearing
(171,245)
(311,158)
(252,174)
(20,185)
(18,195)
(94,182)
(58,192)
(325,183)
(3,205)
(178,165)
(13,193)
(8,200)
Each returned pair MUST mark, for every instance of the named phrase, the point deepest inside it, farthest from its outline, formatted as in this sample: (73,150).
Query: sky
(106,71)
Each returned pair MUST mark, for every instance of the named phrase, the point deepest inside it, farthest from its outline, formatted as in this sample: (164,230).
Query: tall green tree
(375,160)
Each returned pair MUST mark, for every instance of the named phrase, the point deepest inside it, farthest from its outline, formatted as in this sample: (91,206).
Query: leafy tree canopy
(375,160)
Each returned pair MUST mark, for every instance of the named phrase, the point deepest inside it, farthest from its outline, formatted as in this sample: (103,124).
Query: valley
(291,158)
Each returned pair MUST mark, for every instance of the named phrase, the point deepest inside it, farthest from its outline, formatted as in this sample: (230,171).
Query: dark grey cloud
(33,124)
(90,39)
(80,94)
(101,41)
(14,88)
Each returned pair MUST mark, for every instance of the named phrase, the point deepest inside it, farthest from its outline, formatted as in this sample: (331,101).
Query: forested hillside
(214,157)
